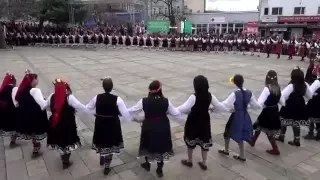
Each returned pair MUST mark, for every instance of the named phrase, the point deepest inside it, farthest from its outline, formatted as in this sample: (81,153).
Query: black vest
(106,105)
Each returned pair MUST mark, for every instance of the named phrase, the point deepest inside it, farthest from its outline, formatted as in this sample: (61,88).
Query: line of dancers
(24,117)
(292,47)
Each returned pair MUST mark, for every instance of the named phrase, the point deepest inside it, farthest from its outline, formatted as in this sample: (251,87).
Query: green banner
(158,26)
(188,27)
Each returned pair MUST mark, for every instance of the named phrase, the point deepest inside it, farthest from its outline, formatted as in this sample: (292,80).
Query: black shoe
(66,165)
(223,152)
(203,166)
(159,172)
(146,166)
(13,144)
(294,143)
(106,171)
(309,136)
(186,163)
(239,158)
(280,138)
(36,155)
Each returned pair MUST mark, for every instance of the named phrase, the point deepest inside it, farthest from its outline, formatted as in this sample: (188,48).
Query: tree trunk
(40,26)
(2,38)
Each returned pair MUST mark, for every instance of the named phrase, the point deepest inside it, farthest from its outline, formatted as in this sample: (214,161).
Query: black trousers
(296,131)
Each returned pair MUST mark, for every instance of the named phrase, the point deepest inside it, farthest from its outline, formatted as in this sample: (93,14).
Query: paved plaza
(132,71)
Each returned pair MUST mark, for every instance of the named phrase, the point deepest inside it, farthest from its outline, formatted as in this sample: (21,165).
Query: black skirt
(8,119)
(197,131)
(313,109)
(64,136)
(107,137)
(294,113)
(31,127)
(155,141)
(269,121)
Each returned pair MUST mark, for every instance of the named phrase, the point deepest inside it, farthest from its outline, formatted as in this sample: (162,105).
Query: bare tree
(170,11)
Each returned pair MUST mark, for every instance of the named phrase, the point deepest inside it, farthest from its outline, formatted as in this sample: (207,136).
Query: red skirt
(302,51)
(278,49)
(291,49)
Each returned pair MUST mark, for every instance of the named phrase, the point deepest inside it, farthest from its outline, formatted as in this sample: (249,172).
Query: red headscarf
(8,79)
(60,93)
(26,81)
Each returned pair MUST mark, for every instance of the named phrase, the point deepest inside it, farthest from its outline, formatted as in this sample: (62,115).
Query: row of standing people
(291,47)
(23,114)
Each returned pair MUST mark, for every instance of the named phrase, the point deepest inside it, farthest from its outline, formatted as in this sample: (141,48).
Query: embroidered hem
(7,133)
(292,122)
(68,148)
(194,142)
(156,156)
(269,132)
(38,137)
(108,150)
(314,120)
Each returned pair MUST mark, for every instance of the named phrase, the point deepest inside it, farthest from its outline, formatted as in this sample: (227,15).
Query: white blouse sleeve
(13,96)
(253,103)
(229,102)
(38,97)
(287,91)
(136,108)
(75,103)
(217,105)
(308,94)
(173,110)
(263,96)
(123,110)
(315,86)
(91,106)
(186,106)
(48,102)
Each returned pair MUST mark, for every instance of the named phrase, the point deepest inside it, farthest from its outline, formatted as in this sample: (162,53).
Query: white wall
(195,5)
(311,6)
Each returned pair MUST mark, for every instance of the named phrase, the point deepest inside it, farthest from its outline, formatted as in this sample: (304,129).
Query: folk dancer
(239,126)
(294,113)
(313,104)
(8,109)
(197,130)
(155,141)
(291,48)
(107,136)
(32,120)
(62,133)
(269,119)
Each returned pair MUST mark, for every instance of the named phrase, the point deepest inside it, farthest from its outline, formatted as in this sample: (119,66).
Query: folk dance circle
(24,117)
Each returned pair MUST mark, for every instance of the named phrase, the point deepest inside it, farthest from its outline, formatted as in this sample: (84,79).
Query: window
(318,10)
(299,10)
(266,11)
(277,11)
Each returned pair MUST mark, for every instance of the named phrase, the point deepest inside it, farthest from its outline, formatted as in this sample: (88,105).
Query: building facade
(289,17)
(195,6)
(223,22)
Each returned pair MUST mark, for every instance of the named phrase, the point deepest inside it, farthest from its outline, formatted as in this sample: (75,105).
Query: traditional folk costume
(155,141)
(313,51)
(32,120)
(294,113)
(313,107)
(107,136)
(291,49)
(310,76)
(278,48)
(303,50)
(197,130)
(62,133)
(269,119)
(268,47)
(239,126)
(7,108)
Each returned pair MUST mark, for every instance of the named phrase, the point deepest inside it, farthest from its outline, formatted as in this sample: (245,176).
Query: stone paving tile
(132,71)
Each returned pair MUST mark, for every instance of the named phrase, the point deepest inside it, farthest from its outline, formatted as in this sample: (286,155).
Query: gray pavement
(132,71)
